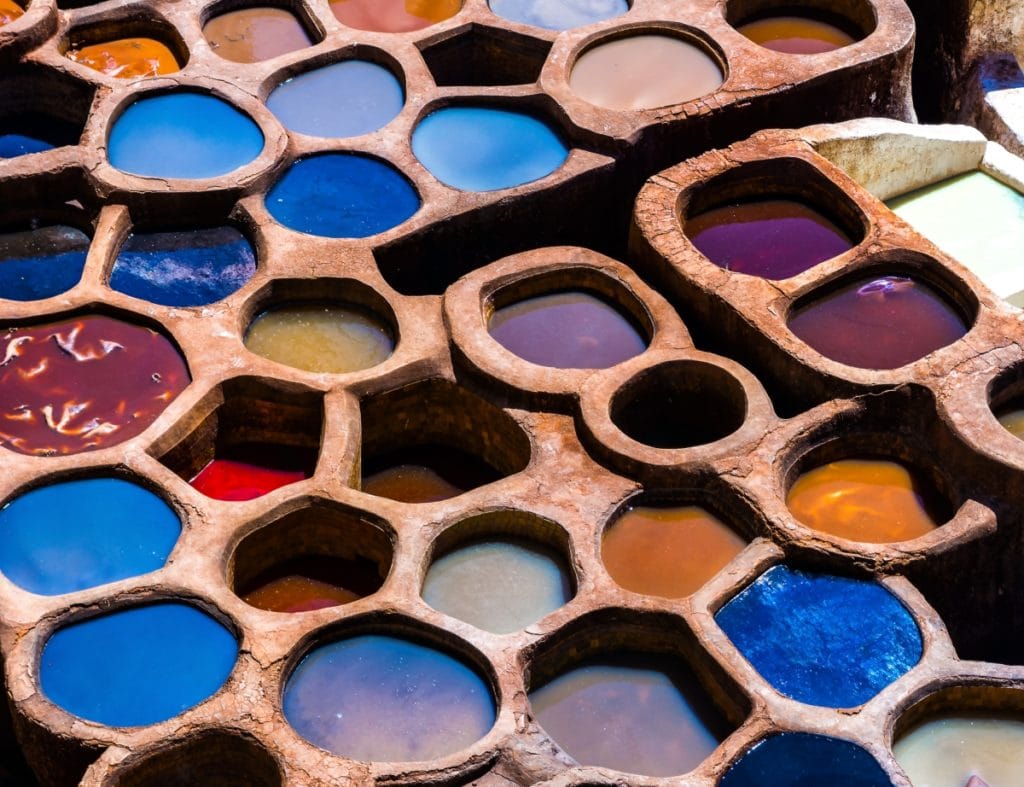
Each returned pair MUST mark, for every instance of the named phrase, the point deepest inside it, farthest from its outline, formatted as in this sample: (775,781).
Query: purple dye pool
(773,239)
(878,323)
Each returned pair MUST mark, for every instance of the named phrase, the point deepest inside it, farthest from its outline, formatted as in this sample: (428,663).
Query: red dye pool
(773,239)
(880,323)
(83,384)
(226,479)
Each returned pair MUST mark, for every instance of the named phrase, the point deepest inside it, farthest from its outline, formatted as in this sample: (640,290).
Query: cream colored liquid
(949,750)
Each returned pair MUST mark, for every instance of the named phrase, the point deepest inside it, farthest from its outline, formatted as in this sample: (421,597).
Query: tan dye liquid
(254,34)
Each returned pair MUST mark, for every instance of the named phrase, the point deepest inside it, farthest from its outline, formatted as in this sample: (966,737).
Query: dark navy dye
(820,639)
(485,148)
(340,100)
(40,263)
(80,534)
(190,268)
(796,759)
(13,145)
(183,135)
(342,195)
(137,666)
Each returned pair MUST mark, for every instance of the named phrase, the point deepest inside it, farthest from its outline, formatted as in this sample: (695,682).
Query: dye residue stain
(381,698)
(499,586)
(485,148)
(567,330)
(393,16)
(127,58)
(638,714)
(80,534)
(41,262)
(644,72)
(324,338)
(558,14)
(773,239)
(667,551)
(251,35)
(183,268)
(820,639)
(9,11)
(948,750)
(312,582)
(880,323)
(183,134)
(796,35)
(869,500)
(83,384)
(137,666)
(425,474)
(795,758)
(227,479)
(344,99)
(341,195)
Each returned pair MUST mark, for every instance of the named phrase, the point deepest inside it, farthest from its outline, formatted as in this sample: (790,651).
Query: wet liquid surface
(227,479)
(186,268)
(796,35)
(127,58)
(42,262)
(799,758)
(667,551)
(313,582)
(251,35)
(1012,419)
(946,751)
(823,640)
(13,145)
(79,534)
(24,132)
(425,474)
(644,72)
(393,16)
(881,323)
(773,239)
(83,384)
(568,330)
(638,714)
(558,14)
(386,699)
(326,338)
(875,501)
(9,11)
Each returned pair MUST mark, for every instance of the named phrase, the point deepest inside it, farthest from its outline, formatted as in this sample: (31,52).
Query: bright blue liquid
(484,149)
(183,135)
(341,100)
(341,195)
(820,639)
(13,145)
(191,268)
(80,534)
(793,759)
(137,666)
(558,14)
(40,263)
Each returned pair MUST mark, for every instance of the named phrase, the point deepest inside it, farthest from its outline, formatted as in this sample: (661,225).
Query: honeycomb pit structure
(223,187)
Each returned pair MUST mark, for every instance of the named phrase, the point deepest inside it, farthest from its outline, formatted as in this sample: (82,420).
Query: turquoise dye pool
(183,134)
(485,148)
(792,759)
(187,268)
(379,698)
(342,195)
(558,14)
(41,262)
(137,666)
(79,534)
(820,639)
(344,99)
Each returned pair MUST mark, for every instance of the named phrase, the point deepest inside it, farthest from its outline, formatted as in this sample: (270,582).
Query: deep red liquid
(226,479)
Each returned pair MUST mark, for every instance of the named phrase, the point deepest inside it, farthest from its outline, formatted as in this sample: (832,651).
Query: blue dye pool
(820,639)
(341,195)
(40,263)
(797,758)
(80,534)
(483,148)
(558,14)
(183,135)
(340,100)
(137,666)
(191,268)
(13,145)
(378,698)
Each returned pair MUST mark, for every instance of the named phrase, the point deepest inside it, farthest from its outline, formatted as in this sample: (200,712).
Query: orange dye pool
(864,500)
(9,11)
(393,16)
(127,58)
(667,551)
(796,35)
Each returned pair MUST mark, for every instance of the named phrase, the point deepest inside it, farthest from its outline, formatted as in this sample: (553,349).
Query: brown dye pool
(250,35)
(393,16)
(668,551)
(9,11)
(869,500)
(796,35)
(127,58)
(425,474)
(312,582)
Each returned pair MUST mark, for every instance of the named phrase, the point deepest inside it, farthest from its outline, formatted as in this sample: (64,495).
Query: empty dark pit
(216,759)
(486,56)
